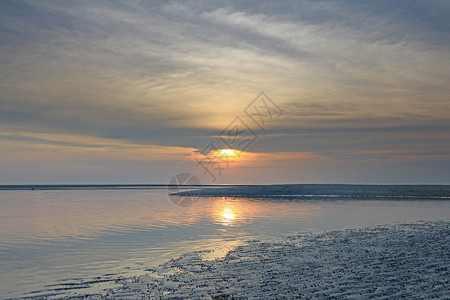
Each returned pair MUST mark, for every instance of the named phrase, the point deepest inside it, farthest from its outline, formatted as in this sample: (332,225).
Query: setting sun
(228,152)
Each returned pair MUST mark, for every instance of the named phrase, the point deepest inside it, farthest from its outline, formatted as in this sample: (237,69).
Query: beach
(347,191)
(137,244)
(398,261)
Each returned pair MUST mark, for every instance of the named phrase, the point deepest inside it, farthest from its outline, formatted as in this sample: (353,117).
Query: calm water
(56,236)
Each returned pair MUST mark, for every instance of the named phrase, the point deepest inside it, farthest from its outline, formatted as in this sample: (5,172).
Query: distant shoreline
(285,191)
(325,191)
(98,186)
(328,191)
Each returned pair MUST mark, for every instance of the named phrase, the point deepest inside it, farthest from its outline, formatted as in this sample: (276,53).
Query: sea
(57,237)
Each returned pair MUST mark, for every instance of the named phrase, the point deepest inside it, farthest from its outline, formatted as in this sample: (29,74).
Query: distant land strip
(326,191)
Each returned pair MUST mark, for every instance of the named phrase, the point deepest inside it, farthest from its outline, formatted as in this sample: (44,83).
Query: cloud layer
(363,86)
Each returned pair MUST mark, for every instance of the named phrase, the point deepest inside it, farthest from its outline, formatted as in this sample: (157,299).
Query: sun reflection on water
(228,212)
(227,216)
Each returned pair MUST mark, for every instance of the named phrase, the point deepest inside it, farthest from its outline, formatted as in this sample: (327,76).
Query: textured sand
(410,261)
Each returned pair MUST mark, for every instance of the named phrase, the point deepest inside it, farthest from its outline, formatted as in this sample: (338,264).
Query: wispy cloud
(174,74)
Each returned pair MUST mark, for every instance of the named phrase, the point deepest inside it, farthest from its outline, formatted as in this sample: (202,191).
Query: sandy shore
(326,190)
(410,261)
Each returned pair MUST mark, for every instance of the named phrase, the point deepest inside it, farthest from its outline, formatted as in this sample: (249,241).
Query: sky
(140,91)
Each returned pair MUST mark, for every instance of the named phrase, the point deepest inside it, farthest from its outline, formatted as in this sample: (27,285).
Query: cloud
(348,75)
(31,146)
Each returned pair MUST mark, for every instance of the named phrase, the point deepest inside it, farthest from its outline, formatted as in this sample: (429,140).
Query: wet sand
(410,261)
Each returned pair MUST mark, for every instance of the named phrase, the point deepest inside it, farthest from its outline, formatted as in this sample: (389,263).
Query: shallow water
(61,236)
